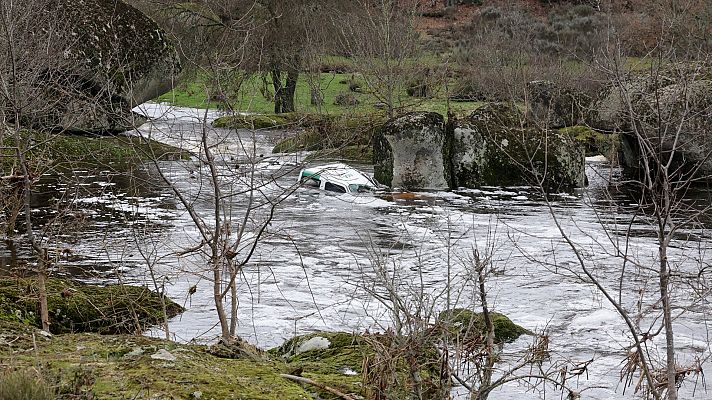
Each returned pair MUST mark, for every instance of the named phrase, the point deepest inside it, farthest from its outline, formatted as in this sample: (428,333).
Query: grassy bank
(60,150)
(251,97)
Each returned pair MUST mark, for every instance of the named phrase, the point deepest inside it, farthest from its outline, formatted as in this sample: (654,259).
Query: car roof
(338,173)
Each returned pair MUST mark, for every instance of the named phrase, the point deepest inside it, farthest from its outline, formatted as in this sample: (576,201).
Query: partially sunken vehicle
(337,177)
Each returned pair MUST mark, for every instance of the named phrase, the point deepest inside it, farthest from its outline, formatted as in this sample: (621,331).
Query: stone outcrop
(491,147)
(669,113)
(552,107)
(106,57)
(408,152)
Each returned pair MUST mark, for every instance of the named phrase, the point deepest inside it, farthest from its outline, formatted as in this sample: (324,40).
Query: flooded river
(324,255)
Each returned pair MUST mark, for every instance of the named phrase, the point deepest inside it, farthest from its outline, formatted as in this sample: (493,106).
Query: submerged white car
(338,178)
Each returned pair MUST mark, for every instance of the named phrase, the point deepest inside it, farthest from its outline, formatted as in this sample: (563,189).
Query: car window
(334,187)
(354,188)
(311,182)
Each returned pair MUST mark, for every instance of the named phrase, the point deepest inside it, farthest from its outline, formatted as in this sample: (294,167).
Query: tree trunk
(278,89)
(42,286)
(284,95)
(290,90)
(667,318)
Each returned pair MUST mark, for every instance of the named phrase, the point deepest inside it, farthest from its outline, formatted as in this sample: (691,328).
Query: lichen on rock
(105,57)
(410,152)
(494,147)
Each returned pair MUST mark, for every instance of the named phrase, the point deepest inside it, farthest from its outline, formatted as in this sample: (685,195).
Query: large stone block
(492,147)
(552,107)
(409,152)
(660,116)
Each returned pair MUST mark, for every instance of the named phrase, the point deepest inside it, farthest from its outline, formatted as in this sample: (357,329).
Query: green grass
(250,99)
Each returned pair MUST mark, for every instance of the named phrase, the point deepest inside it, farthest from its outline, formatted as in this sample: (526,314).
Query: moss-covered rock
(102,59)
(493,147)
(467,323)
(255,121)
(361,153)
(55,150)
(372,365)
(331,133)
(594,142)
(75,307)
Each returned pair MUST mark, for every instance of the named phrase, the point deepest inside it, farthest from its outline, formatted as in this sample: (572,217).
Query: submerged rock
(105,58)
(410,152)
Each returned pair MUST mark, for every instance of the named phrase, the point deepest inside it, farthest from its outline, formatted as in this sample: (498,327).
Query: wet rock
(107,57)
(493,147)
(410,152)
(467,323)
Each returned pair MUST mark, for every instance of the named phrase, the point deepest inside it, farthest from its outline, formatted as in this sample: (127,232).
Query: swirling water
(323,256)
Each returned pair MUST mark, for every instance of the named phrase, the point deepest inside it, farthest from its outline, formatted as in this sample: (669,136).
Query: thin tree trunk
(20,151)
(42,287)
(485,385)
(278,89)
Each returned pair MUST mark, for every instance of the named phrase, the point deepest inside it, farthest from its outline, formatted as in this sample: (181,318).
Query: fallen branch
(12,177)
(308,381)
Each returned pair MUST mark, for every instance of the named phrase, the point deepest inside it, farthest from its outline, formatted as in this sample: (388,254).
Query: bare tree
(380,38)
(25,99)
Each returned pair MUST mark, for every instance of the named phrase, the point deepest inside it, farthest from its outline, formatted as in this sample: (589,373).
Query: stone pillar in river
(410,152)
(491,147)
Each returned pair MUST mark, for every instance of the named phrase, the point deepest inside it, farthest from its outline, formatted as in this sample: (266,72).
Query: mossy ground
(121,367)
(339,366)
